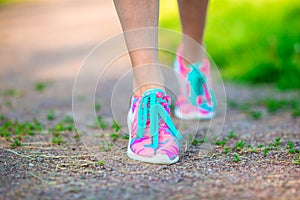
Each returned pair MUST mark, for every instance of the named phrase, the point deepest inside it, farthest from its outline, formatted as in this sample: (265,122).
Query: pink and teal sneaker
(153,136)
(196,99)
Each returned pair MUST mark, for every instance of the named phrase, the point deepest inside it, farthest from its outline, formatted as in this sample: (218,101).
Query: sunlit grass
(250,40)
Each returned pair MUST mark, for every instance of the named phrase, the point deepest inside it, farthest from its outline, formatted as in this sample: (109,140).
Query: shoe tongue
(156,90)
(196,65)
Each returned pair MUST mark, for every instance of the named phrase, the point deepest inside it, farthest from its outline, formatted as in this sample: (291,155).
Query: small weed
(277,142)
(125,137)
(266,151)
(232,104)
(204,139)
(100,162)
(245,107)
(60,126)
(226,150)
(253,150)
(273,105)
(106,147)
(296,113)
(270,104)
(195,142)
(261,146)
(40,86)
(13,93)
(222,142)
(255,114)
(37,125)
(68,120)
(9,92)
(236,157)
(291,147)
(114,136)
(77,135)
(239,145)
(297,160)
(98,122)
(51,115)
(101,123)
(57,139)
(16,130)
(97,107)
(232,135)
(115,126)
(16,143)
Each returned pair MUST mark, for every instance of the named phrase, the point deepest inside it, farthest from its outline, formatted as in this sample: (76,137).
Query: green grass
(239,145)
(100,162)
(196,141)
(115,136)
(8,2)
(15,131)
(272,106)
(57,140)
(236,157)
(291,147)
(266,151)
(222,142)
(297,160)
(12,92)
(41,86)
(125,137)
(251,41)
(226,150)
(51,115)
(116,126)
(106,146)
(232,135)
(16,143)
(97,107)
(277,142)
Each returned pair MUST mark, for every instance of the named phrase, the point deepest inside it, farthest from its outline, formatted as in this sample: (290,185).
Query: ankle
(192,54)
(138,91)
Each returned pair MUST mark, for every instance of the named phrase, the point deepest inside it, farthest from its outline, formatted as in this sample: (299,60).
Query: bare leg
(140,14)
(193,17)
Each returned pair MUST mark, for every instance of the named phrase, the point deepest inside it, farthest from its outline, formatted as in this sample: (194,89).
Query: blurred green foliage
(253,41)
(3,2)
(7,2)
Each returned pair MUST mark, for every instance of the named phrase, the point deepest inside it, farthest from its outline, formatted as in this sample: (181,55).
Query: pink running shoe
(153,136)
(196,99)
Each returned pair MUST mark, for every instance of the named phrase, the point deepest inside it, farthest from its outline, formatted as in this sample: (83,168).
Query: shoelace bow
(151,109)
(197,81)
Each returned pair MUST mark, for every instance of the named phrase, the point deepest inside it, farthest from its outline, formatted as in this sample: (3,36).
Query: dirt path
(45,42)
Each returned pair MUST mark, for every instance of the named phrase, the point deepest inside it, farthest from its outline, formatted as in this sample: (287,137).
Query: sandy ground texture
(44,43)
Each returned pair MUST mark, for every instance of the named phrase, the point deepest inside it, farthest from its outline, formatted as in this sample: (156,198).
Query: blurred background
(251,41)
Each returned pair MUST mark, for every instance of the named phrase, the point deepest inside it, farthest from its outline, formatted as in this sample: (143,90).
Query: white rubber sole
(157,159)
(192,115)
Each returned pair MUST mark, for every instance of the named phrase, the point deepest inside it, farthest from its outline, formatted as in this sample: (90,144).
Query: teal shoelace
(197,80)
(151,109)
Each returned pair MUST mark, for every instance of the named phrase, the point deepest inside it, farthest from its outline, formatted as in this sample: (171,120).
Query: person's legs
(193,18)
(137,14)
(153,136)
(196,99)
